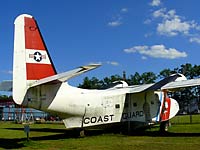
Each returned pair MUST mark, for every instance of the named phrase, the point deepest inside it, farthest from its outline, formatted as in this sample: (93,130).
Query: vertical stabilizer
(31,59)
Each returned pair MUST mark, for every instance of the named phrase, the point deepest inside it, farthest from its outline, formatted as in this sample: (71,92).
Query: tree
(165,73)
(5,97)
(93,83)
(148,77)
(187,70)
(134,79)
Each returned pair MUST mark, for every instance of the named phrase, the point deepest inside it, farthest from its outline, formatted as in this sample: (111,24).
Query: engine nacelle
(181,77)
(118,84)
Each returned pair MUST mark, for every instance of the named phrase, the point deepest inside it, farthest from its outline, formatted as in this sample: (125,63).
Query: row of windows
(135,104)
(117,106)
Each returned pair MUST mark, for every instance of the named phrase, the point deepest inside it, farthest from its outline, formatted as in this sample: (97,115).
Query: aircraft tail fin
(32,61)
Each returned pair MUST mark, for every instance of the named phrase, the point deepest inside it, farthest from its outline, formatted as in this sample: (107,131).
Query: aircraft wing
(181,84)
(153,86)
(62,77)
(168,83)
(6,86)
(138,88)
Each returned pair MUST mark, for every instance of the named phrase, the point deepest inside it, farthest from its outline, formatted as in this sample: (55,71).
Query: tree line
(189,70)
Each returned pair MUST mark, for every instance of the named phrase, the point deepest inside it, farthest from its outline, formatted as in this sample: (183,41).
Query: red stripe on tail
(36,72)
(34,41)
(33,38)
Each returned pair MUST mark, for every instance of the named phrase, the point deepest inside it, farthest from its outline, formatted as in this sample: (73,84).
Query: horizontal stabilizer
(6,86)
(62,77)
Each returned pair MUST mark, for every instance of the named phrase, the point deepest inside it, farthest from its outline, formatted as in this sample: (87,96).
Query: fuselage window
(135,104)
(117,106)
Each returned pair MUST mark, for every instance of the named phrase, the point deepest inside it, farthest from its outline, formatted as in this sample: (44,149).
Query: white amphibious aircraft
(37,85)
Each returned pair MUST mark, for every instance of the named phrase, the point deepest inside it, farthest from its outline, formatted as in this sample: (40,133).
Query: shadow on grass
(18,143)
(11,143)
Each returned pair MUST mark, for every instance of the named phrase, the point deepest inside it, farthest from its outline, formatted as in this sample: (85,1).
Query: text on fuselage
(135,114)
(98,119)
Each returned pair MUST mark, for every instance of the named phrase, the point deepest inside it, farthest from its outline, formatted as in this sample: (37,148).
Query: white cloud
(148,34)
(159,13)
(147,21)
(195,40)
(114,23)
(144,57)
(114,63)
(7,72)
(172,24)
(156,51)
(124,10)
(173,27)
(169,23)
(155,3)
(163,13)
(117,19)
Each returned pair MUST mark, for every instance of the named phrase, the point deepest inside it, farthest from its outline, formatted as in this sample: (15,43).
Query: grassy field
(55,136)
(185,119)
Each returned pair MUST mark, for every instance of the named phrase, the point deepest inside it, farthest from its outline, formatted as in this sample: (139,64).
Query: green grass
(184,119)
(55,136)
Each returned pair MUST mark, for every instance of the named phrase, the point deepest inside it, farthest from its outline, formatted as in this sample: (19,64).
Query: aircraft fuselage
(84,108)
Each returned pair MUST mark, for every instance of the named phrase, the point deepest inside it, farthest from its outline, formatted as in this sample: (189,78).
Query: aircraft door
(113,106)
(107,104)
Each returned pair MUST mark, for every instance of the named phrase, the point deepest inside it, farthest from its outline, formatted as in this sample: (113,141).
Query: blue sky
(124,35)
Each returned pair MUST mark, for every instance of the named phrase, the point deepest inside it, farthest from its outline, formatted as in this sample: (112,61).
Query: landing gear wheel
(82,133)
(164,126)
(79,132)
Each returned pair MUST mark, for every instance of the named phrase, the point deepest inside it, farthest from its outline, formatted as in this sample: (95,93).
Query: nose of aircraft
(174,108)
